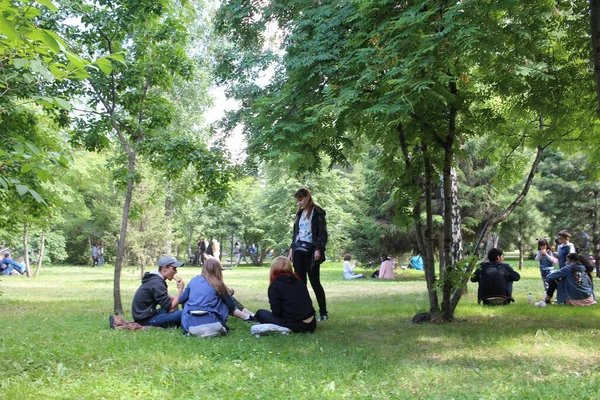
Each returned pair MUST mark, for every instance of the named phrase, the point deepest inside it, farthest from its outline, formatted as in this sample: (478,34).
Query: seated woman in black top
(290,302)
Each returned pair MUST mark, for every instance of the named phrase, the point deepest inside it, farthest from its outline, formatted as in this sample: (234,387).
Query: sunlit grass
(55,344)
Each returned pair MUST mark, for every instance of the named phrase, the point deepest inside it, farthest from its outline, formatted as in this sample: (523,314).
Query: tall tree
(417,78)
(128,99)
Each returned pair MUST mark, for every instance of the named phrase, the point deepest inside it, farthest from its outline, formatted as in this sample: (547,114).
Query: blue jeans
(10,269)
(165,319)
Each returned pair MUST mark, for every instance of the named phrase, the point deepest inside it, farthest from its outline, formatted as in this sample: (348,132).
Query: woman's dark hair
(574,257)
(589,267)
(347,257)
(543,242)
(305,193)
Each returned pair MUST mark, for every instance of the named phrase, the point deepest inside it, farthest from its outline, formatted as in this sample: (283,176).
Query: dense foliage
(419,126)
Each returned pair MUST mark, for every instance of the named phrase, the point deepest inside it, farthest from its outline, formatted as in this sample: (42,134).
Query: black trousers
(267,317)
(304,264)
(552,286)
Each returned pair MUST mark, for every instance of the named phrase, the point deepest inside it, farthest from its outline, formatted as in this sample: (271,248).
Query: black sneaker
(322,318)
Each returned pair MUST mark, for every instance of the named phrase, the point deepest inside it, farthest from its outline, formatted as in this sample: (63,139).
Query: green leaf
(22,189)
(8,29)
(104,65)
(26,168)
(20,62)
(60,40)
(37,196)
(43,175)
(63,161)
(57,70)
(62,103)
(48,4)
(33,149)
(75,60)
(37,66)
(120,57)
(50,41)
(3,183)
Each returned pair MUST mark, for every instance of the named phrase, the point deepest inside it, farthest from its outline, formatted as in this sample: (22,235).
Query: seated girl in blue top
(207,299)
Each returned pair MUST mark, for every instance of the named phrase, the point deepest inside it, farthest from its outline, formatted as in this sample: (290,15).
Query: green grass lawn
(56,344)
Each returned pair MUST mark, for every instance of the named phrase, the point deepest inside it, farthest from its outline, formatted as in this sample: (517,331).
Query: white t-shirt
(305,227)
(348,267)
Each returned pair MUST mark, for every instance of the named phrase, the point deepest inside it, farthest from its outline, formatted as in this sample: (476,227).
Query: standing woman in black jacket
(309,241)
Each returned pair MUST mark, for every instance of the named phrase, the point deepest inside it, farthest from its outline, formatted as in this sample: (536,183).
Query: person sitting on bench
(495,280)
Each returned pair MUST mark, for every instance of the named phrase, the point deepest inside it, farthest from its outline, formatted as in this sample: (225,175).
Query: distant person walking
(309,241)
(94,254)
(100,253)
(237,253)
(209,248)
(216,248)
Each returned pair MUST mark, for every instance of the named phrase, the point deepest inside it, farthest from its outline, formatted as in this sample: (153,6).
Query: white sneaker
(208,330)
(267,329)
(540,304)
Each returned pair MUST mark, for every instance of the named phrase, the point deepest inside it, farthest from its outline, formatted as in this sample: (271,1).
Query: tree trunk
(168,214)
(434,307)
(423,233)
(442,259)
(231,252)
(492,241)
(451,213)
(490,223)
(26,248)
(457,244)
(40,256)
(190,233)
(595,35)
(520,245)
(118,305)
(596,235)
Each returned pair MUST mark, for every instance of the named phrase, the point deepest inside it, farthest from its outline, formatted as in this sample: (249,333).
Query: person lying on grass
(207,299)
(153,293)
(290,302)
(573,283)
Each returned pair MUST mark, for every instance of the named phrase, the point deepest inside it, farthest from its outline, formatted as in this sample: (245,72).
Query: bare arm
(175,299)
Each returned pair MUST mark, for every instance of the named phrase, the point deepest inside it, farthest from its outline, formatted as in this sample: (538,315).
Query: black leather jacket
(318,228)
